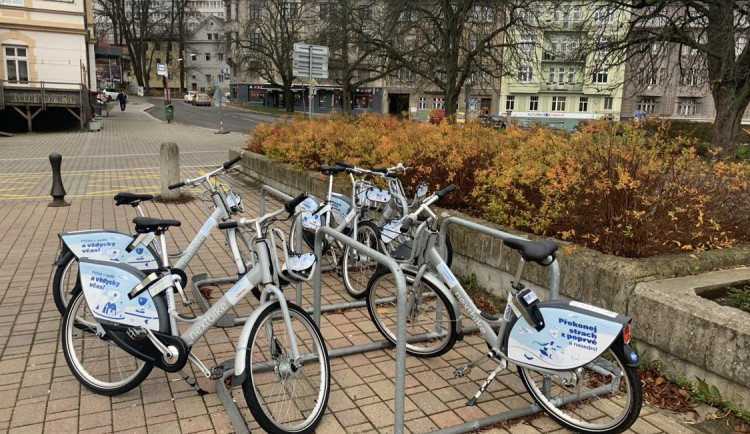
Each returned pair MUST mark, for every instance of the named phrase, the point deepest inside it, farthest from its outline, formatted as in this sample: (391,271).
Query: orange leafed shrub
(614,187)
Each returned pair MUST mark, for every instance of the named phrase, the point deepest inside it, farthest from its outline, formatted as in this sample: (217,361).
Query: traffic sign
(310,61)
(161,69)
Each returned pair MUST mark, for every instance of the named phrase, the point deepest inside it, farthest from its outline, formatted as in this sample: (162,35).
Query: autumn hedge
(615,187)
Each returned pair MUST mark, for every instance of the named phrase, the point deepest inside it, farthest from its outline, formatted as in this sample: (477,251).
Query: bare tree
(704,42)
(450,43)
(264,43)
(350,28)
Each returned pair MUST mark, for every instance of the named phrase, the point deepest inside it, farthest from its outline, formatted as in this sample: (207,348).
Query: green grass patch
(740,298)
(743,151)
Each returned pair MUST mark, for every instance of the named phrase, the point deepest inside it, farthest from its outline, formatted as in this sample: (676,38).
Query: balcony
(561,58)
(561,87)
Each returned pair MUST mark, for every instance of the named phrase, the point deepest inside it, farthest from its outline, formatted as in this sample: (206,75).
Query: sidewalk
(41,395)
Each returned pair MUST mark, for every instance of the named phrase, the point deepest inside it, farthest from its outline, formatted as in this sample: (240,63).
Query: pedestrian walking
(123,100)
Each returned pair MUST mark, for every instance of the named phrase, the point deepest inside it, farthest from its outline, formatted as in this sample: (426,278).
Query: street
(235,120)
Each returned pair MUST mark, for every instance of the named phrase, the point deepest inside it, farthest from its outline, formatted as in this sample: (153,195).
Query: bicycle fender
(242,349)
(110,246)
(433,279)
(574,334)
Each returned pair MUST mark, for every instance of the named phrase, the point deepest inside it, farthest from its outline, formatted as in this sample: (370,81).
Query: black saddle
(330,170)
(127,198)
(144,225)
(536,251)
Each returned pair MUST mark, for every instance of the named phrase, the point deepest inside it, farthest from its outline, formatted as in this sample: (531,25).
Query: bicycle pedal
(461,372)
(217,372)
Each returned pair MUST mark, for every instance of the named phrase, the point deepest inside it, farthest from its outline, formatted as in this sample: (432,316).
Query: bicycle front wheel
(97,362)
(602,397)
(358,268)
(431,320)
(286,395)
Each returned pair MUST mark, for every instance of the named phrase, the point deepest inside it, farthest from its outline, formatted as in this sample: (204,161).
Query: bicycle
(281,360)
(566,352)
(142,250)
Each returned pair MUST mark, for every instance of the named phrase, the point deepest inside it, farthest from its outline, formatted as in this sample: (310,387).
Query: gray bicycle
(123,323)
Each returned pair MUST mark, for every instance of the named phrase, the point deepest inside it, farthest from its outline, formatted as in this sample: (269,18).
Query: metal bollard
(169,166)
(58,191)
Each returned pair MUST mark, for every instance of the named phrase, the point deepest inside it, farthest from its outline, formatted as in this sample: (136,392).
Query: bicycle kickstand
(466,369)
(503,364)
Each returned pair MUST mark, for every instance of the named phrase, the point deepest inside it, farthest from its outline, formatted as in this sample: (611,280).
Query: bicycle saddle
(330,170)
(536,251)
(144,225)
(127,198)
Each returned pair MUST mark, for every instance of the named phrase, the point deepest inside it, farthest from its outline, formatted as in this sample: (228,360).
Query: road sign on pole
(310,61)
(161,69)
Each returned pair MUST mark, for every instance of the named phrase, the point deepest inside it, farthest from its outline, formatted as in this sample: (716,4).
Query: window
(255,12)
(220,57)
(192,57)
(687,51)
(210,36)
(576,13)
(608,102)
(571,75)
(256,38)
(423,103)
(564,16)
(208,78)
(325,11)
(365,12)
(482,14)
(438,103)
(16,64)
(647,105)
(739,47)
(687,106)
(290,10)
(601,76)
(510,102)
(208,57)
(690,77)
(404,74)
(583,104)
(12,2)
(525,74)
(604,16)
(322,99)
(558,103)
(533,103)
(654,76)
(527,43)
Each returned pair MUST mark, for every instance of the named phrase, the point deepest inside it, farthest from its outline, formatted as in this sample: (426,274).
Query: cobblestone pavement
(40,394)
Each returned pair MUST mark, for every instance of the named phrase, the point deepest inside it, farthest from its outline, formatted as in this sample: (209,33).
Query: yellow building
(47,56)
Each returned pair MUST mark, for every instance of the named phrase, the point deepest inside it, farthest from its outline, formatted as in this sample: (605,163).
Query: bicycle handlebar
(406,224)
(231,163)
(347,165)
(290,205)
(223,168)
(178,185)
(446,191)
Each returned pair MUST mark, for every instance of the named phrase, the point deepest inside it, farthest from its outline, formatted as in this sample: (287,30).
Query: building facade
(206,65)
(48,57)
(553,79)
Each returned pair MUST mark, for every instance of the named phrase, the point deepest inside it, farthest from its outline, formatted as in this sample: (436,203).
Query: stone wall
(586,275)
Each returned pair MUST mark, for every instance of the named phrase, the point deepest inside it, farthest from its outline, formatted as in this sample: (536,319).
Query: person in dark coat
(123,100)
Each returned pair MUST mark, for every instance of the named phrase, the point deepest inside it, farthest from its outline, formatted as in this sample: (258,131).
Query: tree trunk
(729,110)
(288,97)
(346,98)
(451,102)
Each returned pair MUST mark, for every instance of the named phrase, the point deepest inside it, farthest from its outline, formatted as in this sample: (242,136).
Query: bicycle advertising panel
(109,246)
(106,287)
(574,334)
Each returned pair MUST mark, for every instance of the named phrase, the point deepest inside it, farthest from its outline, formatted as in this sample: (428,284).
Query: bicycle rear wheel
(603,396)
(286,395)
(357,268)
(431,321)
(97,362)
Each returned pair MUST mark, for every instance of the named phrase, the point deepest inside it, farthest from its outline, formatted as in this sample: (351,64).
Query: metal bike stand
(400,393)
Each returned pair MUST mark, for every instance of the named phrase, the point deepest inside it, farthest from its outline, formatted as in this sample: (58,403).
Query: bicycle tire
(91,378)
(281,366)
(368,234)
(382,302)
(308,237)
(630,408)
(61,292)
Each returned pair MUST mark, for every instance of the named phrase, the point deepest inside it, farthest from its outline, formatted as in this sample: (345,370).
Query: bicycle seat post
(516,284)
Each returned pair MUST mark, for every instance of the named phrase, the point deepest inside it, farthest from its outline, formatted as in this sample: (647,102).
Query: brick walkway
(40,394)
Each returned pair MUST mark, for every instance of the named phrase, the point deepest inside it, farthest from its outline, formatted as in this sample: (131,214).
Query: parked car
(190,95)
(111,93)
(556,126)
(494,121)
(201,99)
(523,124)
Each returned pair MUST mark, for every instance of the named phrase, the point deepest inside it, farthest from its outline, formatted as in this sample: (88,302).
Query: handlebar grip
(347,165)
(227,225)
(446,191)
(381,170)
(289,206)
(406,224)
(231,163)
(178,185)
